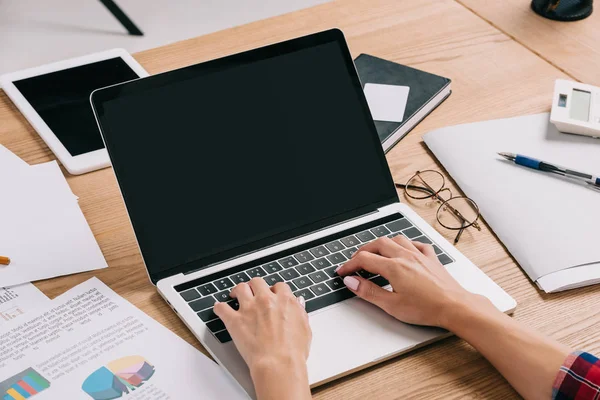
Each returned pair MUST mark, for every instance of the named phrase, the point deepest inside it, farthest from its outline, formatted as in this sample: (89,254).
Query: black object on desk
(127,23)
(563,10)
(427,91)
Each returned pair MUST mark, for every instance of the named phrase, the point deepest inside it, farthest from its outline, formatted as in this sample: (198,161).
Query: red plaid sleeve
(578,378)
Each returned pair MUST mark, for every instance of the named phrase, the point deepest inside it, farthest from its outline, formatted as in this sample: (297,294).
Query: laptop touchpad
(354,333)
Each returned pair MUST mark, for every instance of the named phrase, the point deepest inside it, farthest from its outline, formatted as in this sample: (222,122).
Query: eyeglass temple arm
(460,232)
(419,188)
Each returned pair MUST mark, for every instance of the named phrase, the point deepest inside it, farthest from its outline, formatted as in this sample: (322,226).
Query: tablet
(55,99)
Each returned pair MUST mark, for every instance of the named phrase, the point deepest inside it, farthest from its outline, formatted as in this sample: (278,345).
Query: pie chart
(117,378)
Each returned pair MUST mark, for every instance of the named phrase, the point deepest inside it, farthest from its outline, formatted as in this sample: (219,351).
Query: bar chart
(10,313)
(23,385)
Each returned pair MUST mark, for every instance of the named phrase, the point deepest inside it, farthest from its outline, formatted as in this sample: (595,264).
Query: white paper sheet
(9,162)
(548,224)
(45,240)
(92,344)
(42,230)
(18,301)
(50,179)
(570,278)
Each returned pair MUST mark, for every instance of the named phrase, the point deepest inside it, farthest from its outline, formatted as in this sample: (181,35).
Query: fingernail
(353,254)
(302,301)
(351,282)
(338,268)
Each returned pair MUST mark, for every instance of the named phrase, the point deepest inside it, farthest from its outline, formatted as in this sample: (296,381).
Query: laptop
(267,164)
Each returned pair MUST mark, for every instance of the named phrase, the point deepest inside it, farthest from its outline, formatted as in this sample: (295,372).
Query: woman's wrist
(463,310)
(270,372)
(276,362)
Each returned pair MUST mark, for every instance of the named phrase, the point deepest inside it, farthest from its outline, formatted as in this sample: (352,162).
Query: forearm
(281,379)
(527,359)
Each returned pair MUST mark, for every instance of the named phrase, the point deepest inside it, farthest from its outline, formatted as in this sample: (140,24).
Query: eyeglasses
(456,213)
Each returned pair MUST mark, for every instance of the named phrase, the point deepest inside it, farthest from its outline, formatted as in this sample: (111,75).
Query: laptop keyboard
(309,273)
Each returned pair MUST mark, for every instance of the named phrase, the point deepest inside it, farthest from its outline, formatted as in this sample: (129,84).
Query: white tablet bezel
(74,164)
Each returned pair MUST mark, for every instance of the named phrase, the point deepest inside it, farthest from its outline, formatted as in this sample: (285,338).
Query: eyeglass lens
(424,184)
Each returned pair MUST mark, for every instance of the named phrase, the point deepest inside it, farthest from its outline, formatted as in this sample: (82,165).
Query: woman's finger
(242,293)
(404,242)
(258,286)
(301,302)
(370,292)
(425,248)
(383,246)
(281,288)
(373,263)
(225,312)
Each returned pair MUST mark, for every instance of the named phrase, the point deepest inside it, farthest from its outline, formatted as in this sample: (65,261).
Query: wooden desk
(570,46)
(493,76)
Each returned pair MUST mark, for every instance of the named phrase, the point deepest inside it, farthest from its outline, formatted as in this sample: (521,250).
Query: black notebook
(427,91)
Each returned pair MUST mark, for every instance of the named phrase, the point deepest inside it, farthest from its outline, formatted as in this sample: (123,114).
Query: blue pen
(529,162)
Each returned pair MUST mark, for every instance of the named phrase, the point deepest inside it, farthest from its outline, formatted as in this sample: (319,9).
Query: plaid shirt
(578,378)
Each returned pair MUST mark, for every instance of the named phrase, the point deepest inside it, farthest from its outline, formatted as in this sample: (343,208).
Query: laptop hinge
(283,241)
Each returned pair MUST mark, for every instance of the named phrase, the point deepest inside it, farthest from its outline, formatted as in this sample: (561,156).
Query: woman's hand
(271,332)
(424,293)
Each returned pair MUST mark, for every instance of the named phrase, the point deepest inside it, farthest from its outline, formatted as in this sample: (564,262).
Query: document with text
(17,301)
(89,343)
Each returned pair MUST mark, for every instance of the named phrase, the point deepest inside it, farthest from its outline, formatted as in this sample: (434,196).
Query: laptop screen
(222,158)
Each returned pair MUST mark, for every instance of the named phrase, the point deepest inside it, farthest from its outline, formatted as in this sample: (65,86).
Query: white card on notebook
(549,224)
(386,102)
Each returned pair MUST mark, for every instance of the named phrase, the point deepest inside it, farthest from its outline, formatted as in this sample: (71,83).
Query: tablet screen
(62,99)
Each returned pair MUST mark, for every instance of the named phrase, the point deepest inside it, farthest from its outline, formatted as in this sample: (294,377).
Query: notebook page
(548,224)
